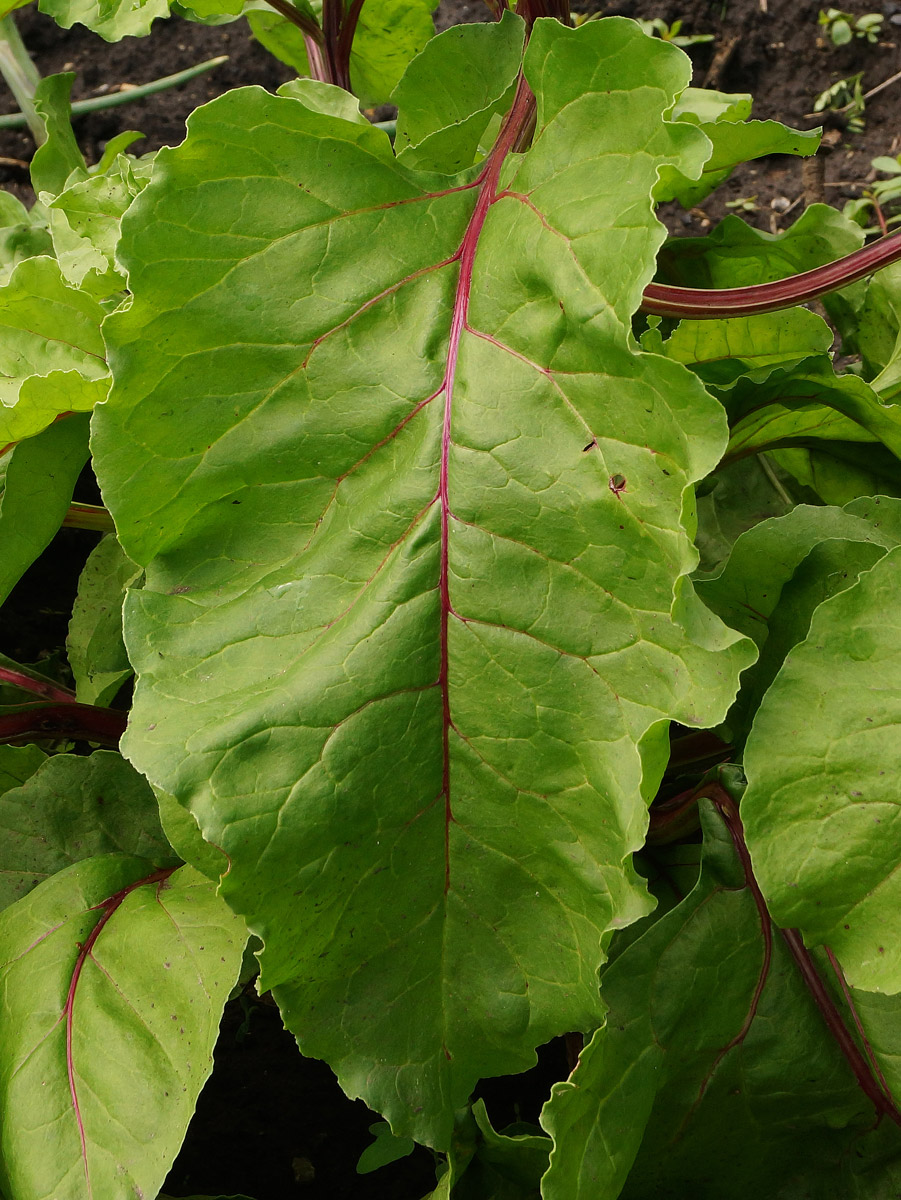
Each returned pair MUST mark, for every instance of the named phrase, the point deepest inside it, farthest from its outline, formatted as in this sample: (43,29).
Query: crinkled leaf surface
(113,977)
(690,1089)
(94,645)
(72,808)
(37,478)
(112,19)
(411,508)
(51,352)
(451,91)
(822,761)
(84,223)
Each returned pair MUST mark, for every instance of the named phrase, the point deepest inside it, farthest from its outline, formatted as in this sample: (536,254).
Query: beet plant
(510,595)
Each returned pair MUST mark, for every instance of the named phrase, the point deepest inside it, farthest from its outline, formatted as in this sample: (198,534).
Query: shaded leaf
(36,481)
(95,647)
(695,1090)
(777,575)
(69,809)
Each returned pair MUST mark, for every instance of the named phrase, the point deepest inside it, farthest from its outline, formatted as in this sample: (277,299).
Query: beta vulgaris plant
(511,595)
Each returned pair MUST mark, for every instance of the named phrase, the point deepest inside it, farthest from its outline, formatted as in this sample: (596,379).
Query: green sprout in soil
(842,26)
(877,197)
(845,96)
(670,33)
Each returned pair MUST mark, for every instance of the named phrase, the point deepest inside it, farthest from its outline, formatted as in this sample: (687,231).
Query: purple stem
(713,303)
(79,722)
(109,907)
(884,1105)
(38,687)
(852,1008)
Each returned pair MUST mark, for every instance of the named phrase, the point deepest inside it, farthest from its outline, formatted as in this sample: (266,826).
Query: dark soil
(272,1124)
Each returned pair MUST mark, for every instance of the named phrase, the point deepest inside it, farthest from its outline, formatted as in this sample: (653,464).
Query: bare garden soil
(269,1123)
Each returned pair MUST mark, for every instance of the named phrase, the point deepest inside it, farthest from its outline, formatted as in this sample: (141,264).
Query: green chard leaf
(389,34)
(822,759)
(113,976)
(84,225)
(724,1086)
(59,157)
(69,808)
(416,518)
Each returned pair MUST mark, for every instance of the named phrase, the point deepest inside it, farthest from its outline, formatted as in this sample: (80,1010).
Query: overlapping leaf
(777,575)
(734,139)
(822,760)
(412,511)
(113,976)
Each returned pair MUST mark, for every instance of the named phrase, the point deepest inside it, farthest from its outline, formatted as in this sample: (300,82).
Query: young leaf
(84,223)
(412,511)
(113,976)
(52,353)
(54,162)
(36,481)
(72,808)
(94,645)
(821,809)
(725,1085)
(451,91)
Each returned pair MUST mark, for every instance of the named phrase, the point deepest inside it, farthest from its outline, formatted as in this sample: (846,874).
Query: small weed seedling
(845,96)
(671,33)
(842,26)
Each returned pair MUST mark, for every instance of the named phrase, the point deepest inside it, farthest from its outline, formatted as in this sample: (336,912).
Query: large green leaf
(696,1086)
(822,761)
(72,808)
(113,976)
(415,516)
(452,90)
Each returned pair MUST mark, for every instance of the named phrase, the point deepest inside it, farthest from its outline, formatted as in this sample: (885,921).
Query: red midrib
(108,908)
(516,119)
